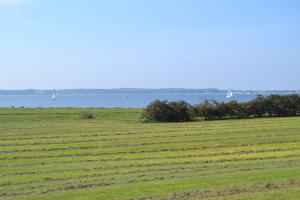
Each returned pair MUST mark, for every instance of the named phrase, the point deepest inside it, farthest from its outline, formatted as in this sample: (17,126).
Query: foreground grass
(54,154)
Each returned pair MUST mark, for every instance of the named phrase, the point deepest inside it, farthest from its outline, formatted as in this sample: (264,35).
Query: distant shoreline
(138,91)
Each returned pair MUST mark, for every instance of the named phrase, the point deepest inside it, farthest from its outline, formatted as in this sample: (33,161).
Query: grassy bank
(55,154)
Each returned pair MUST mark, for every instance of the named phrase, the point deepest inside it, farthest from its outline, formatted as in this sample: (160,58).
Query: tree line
(261,106)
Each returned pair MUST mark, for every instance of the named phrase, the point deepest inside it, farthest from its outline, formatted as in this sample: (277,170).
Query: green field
(53,154)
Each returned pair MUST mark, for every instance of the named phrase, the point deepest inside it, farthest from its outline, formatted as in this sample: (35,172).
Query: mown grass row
(53,154)
(89,181)
(160,133)
(53,129)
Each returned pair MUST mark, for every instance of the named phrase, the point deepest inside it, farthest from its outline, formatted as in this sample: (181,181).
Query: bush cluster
(164,111)
(179,111)
(86,115)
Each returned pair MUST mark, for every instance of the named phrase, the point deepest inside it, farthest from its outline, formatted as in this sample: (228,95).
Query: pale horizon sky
(54,44)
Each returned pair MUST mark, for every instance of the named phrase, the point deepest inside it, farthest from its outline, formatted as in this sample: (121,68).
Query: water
(111,100)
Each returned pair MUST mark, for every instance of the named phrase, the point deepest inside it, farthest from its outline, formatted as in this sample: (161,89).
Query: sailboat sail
(229,94)
(53,96)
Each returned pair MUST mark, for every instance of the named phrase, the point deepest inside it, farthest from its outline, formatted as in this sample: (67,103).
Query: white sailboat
(53,96)
(229,94)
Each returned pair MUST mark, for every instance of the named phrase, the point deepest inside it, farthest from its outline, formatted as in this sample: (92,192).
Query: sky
(225,44)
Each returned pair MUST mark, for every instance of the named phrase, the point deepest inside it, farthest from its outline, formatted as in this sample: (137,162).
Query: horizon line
(133,88)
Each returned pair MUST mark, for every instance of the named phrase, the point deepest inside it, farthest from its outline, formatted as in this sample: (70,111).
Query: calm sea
(110,100)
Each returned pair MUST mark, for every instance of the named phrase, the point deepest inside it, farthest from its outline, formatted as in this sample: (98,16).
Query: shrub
(164,111)
(86,115)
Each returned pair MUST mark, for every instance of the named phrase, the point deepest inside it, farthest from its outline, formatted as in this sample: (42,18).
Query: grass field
(53,154)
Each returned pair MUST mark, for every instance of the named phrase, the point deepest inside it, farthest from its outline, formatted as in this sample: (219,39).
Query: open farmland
(53,154)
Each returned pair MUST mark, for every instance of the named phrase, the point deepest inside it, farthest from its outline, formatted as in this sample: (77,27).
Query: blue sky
(238,44)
